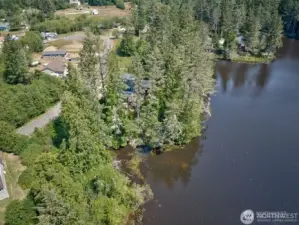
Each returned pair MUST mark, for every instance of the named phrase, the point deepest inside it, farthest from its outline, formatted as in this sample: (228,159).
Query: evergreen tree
(16,65)
(89,63)
(139,16)
(253,35)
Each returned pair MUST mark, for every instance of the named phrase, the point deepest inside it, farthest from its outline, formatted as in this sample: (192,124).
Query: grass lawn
(244,58)
(13,169)
(125,62)
(251,59)
(60,43)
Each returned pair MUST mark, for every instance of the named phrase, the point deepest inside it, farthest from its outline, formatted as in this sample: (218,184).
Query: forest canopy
(161,100)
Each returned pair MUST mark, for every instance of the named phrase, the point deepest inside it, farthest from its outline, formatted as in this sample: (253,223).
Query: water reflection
(174,169)
(250,157)
(289,50)
(239,78)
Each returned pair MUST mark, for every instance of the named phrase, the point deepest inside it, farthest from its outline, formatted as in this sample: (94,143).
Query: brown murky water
(250,156)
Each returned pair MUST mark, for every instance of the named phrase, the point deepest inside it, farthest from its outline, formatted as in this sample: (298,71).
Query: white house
(3,189)
(75,2)
(56,68)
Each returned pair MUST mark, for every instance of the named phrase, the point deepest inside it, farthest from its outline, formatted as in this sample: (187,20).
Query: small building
(75,2)
(54,54)
(95,12)
(56,68)
(240,41)
(13,38)
(129,80)
(34,63)
(3,189)
(4,27)
(49,35)
(121,29)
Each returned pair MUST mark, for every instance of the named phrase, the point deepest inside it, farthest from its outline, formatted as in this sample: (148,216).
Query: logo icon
(247,217)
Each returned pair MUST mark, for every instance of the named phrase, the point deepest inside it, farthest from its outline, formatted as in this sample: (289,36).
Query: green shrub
(10,141)
(20,213)
(120,4)
(30,154)
(26,179)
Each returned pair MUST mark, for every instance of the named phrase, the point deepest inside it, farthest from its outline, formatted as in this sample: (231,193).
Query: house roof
(146,84)
(52,53)
(57,66)
(5,25)
(127,76)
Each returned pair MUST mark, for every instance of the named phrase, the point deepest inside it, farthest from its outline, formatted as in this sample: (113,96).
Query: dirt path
(41,121)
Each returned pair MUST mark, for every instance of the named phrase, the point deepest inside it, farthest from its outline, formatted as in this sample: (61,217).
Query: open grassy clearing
(125,62)
(13,169)
(104,11)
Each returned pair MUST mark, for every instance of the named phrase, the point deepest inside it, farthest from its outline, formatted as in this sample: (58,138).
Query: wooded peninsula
(160,97)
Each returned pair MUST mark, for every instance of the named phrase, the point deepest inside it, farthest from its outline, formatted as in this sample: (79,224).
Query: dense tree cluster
(118,3)
(161,101)
(70,173)
(289,10)
(63,25)
(23,102)
(47,6)
(20,213)
(257,23)
(16,56)
(16,62)
(172,79)
(32,41)
(24,13)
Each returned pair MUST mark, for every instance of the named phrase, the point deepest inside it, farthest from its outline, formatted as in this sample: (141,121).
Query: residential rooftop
(55,53)
(57,66)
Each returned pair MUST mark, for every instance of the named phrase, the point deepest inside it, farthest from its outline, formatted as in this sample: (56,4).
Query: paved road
(40,121)
(54,112)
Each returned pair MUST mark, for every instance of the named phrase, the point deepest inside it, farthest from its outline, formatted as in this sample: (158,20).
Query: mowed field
(104,11)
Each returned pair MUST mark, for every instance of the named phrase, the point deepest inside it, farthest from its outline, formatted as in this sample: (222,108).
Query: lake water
(248,157)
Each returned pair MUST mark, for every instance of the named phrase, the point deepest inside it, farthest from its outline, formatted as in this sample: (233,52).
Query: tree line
(70,173)
(63,25)
(118,3)
(46,6)
(172,75)
(289,10)
(257,23)
(23,94)
(163,100)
